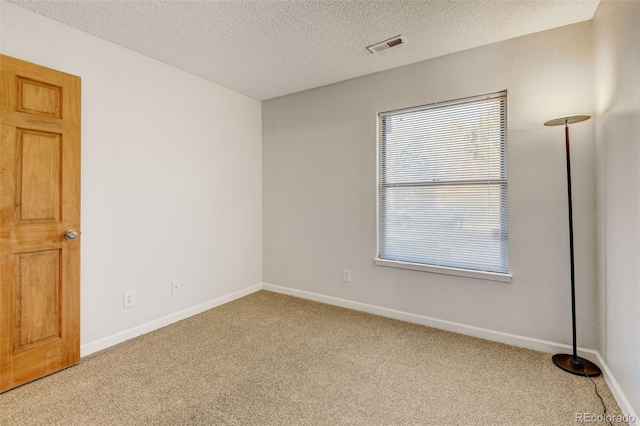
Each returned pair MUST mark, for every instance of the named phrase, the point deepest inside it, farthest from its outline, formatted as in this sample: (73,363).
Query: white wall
(617,72)
(320,187)
(171,177)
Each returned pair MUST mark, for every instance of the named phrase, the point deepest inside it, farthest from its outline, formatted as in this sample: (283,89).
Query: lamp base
(579,366)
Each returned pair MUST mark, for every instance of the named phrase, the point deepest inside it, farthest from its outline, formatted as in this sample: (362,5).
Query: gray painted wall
(617,71)
(319,187)
(159,148)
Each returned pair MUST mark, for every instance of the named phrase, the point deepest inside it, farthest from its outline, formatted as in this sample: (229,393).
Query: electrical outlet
(346,275)
(175,287)
(129,298)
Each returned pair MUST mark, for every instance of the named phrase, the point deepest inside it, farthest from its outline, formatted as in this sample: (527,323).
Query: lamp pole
(572,363)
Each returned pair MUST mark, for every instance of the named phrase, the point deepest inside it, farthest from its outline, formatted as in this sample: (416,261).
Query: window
(442,194)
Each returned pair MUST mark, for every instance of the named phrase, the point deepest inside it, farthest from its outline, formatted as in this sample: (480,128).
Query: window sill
(492,276)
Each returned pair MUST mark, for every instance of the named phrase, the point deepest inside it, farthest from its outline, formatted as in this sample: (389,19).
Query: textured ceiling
(266,49)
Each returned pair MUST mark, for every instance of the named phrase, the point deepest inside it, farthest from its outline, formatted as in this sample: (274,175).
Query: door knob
(70,235)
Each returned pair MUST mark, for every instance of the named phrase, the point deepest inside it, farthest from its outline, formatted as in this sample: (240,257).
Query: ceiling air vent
(387,44)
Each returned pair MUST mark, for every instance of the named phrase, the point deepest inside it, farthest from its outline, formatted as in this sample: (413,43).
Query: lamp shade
(570,119)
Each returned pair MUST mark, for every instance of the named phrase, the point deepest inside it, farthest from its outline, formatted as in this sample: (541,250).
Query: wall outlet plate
(129,299)
(175,287)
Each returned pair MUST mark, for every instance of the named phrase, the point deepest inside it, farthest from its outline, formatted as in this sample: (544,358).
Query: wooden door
(39,202)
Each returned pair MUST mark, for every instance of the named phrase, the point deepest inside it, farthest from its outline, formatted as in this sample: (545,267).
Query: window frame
(439,269)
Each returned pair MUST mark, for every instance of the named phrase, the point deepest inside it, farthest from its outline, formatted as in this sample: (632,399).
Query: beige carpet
(269,359)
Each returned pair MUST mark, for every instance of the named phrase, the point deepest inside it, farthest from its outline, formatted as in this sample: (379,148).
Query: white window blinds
(443,185)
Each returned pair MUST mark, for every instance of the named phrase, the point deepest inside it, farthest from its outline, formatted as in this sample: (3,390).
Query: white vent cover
(387,44)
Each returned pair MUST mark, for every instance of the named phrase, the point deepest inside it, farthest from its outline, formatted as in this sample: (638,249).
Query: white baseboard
(469,330)
(620,397)
(114,339)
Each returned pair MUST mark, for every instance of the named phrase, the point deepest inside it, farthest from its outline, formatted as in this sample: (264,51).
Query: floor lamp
(572,363)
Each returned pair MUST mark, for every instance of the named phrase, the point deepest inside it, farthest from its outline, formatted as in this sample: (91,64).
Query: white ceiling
(267,49)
